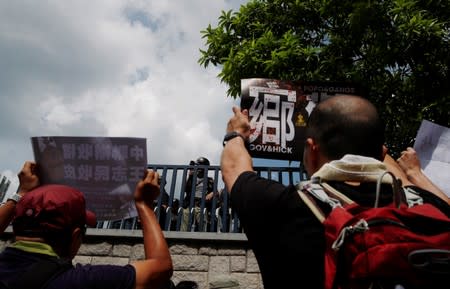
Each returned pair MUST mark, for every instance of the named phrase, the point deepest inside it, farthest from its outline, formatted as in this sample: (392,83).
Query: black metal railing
(178,212)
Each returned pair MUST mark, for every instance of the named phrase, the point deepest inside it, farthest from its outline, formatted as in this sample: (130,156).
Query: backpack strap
(312,205)
(354,168)
(317,189)
(39,274)
(412,197)
(314,190)
(397,190)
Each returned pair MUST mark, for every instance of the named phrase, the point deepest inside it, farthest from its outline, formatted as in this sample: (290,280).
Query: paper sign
(106,170)
(278,112)
(432,146)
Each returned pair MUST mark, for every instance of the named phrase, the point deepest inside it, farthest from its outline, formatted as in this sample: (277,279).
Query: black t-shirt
(287,239)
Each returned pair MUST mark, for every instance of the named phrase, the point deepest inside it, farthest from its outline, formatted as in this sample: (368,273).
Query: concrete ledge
(240,237)
(120,233)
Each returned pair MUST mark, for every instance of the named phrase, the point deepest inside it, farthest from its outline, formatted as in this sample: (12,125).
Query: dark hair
(202,161)
(346,125)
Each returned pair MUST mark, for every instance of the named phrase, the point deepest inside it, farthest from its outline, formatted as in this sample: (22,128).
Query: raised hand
(28,178)
(147,189)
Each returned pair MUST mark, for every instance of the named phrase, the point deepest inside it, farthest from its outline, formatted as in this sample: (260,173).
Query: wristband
(15,198)
(231,135)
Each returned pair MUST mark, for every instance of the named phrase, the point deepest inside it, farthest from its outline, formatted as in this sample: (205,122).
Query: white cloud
(110,68)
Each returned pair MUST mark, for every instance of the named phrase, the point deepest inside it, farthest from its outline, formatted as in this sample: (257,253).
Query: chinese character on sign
(278,112)
(106,170)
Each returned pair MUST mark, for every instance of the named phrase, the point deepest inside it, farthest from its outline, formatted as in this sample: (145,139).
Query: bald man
(287,239)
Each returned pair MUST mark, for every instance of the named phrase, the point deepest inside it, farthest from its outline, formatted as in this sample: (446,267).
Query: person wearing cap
(49,222)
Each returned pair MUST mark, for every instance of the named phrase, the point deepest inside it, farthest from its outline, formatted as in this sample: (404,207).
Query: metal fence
(175,212)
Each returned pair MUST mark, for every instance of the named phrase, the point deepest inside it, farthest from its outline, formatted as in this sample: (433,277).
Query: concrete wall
(210,259)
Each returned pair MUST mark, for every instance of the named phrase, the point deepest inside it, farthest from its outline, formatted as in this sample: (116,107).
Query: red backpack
(395,246)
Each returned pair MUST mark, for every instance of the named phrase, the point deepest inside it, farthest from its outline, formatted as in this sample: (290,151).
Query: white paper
(433,149)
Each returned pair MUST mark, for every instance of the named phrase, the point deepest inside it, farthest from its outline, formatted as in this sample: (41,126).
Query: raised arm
(235,158)
(410,164)
(28,180)
(155,271)
(395,168)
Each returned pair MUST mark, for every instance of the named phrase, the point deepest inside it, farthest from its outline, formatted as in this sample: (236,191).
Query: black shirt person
(287,239)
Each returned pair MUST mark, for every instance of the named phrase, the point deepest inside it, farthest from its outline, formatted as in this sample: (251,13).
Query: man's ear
(311,156)
(77,237)
(384,152)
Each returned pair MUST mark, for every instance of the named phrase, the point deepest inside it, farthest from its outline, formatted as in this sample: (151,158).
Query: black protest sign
(279,110)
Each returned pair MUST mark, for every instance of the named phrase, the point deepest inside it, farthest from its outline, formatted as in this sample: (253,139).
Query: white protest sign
(433,149)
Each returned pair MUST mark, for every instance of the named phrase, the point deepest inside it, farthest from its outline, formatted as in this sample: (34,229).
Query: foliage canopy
(397,51)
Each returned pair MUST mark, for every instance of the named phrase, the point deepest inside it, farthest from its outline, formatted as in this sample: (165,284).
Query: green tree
(398,51)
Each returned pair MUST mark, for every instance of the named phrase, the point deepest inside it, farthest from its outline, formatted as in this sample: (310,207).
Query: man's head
(342,125)
(201,161)
(52,213)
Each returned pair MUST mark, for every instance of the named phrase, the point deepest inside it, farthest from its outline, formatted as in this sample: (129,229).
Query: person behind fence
(222,214)
(226,219)
(285,236)
(49,223)
(164,203)
(164,213)
(195,192)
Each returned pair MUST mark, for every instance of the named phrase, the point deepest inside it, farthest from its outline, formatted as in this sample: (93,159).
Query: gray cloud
(110,68)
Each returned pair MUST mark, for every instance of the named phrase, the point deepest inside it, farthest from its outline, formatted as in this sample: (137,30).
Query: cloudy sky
(111,68)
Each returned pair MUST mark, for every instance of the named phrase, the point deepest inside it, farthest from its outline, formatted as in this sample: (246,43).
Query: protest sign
(105,169)
(432,146)
(279,110)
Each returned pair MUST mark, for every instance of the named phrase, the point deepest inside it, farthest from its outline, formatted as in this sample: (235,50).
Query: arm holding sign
(410,164)
(235,158)
(407,168)
(156,270)
(395,168)
(28,180)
